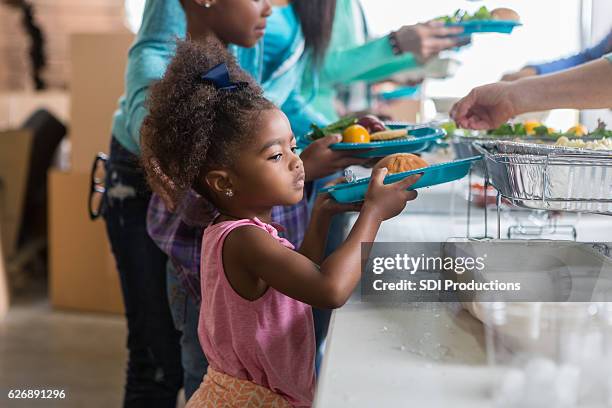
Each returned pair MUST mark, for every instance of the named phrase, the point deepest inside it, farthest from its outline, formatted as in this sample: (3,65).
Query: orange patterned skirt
(219,390)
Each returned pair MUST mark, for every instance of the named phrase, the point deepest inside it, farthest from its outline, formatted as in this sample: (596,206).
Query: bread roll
(401,162)
(505,14)
(388,135)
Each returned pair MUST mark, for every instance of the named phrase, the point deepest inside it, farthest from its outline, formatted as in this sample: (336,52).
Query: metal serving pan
(548,177)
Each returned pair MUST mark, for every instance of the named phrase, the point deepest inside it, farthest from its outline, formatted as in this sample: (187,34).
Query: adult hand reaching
(587,86)
(485,107)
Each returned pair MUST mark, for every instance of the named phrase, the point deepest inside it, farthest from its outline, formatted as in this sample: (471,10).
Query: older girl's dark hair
(317,20)
(192,126)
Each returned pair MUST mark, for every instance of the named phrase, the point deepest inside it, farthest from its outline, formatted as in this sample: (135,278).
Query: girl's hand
(486,107)
(326,205)
(321,161)
(388,200)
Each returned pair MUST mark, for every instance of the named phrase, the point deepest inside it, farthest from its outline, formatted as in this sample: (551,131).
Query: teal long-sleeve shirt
(163,23)
(348,61)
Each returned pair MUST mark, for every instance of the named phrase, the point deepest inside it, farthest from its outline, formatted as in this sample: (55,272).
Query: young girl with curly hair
(211,130)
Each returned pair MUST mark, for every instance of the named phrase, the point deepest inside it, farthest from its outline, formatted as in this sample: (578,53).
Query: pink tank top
(269,341)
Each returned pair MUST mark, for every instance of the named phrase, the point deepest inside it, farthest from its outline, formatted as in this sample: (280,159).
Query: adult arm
(375,59)
(590,54)
(588,86)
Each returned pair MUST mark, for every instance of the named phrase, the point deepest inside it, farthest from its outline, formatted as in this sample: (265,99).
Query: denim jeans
(322,317)
(154,372)
(185,311)
(335,237)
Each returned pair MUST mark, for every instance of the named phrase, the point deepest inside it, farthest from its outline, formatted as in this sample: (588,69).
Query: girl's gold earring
(229,193)
(207,5)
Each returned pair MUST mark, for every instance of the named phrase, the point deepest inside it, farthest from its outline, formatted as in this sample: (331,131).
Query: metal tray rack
(463,145)
(546,177)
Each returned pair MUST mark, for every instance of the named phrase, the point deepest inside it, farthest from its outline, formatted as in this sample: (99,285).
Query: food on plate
(372,123)
(461,16)
(600,130)
(336,127)
(365,129)
(449,127)
(401,162)
(530,126)
(388,135)
(505,14)
(578,130)
(509,129)
(482,14)
(356,134)
(535,132)
(599,144)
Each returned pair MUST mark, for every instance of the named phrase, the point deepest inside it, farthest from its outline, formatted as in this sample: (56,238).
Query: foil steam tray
(548,177)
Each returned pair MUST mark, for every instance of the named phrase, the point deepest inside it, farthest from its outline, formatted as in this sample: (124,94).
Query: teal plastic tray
(435,174)
(401,93)
(486,26)
(423,139)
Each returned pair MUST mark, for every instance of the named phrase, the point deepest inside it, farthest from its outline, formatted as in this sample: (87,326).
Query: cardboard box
(15,149)
(407,110)
(16,107)
(5,298)
(97,81)
(83,274)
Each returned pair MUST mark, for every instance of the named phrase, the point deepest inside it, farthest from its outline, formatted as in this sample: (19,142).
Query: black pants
(154,371)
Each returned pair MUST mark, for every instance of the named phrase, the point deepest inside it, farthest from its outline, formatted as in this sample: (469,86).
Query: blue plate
(486,26)
(422,139)
(435,174)
(401,93)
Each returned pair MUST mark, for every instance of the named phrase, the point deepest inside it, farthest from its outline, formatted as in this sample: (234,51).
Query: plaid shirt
(179,234)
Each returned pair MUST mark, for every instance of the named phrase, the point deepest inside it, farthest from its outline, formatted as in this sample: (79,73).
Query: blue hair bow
(219,77)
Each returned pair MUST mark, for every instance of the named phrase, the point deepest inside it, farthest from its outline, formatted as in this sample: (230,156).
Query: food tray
(435,174)
(486,26)
(548,177)
(463,144)
(423,139)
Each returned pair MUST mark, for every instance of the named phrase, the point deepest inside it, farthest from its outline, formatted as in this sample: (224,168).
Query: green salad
(461,16)
(600,130)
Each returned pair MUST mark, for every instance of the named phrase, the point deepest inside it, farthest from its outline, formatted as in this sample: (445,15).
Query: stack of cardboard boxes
(83,275)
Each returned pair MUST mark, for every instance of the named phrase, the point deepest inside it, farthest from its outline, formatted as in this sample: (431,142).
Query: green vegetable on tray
(509,129)
(336,127)
(461,16)
(600,130)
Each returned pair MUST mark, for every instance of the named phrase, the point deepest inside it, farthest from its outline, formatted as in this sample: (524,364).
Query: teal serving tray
(355,191)
(486,26)
(401,93)
(422,139)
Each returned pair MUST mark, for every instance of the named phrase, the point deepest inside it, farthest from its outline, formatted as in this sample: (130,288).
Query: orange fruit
(356,134)
(578,130)
(530,126)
